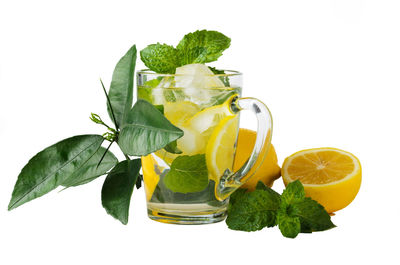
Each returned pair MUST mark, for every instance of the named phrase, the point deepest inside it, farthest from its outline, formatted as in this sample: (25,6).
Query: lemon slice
(208,118)
(180,112)
(330,176)
(166,156)
(220,150)
(150,176)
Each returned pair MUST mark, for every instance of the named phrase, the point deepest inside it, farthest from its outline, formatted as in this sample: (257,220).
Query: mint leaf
(236,196)
(224,79)
(146,130)
(118,187)
(253,211)
(312,215)
(161,58)
(289,226)
(160,108)
(202,46)
(294,192)
(172,147)
(187,174)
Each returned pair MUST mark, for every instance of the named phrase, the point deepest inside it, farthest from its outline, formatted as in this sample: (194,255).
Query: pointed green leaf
(51,167)
(294,192)
(312,215)
(172,147)
(121,88)
(118,187)
(146,130)
(91,169)
(187,174)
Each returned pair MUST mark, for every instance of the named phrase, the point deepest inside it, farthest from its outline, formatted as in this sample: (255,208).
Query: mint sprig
(292,211)
(202,46)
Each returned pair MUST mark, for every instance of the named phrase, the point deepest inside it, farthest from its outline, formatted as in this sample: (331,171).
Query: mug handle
(230,181)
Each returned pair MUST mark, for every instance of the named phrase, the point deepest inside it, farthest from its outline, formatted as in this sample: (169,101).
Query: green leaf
(187,174)
(118,187)
(121,88)
(289,226)
(146,130)
(253,211)
(91,170)
(160,108)
(51,167)
(172,147)
(224,78)
(235,197)
(160,58)
(162,194)
(202,46)
(294,192)
(272,193)
(312,215)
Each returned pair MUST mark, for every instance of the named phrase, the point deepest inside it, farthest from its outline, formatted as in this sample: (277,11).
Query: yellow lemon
(205,121)
(330,176)
(220,149)
(268,171)
(150,176)
(179,112)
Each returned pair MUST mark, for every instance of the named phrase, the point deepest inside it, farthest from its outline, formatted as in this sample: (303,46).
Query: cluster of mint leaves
(202,46)
(292,211)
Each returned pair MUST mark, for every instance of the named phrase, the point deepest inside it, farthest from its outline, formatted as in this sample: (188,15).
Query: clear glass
(206,108)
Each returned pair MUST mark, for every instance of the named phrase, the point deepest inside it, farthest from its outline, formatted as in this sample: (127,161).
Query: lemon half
(330,176)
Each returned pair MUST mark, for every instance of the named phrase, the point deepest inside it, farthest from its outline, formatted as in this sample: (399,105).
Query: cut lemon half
(330,176)
(220,150)
(268,171)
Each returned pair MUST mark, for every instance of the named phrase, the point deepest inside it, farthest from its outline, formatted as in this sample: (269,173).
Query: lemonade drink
(180,179)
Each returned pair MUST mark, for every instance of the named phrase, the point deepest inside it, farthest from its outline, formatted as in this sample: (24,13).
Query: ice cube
(196,76)
(196,80)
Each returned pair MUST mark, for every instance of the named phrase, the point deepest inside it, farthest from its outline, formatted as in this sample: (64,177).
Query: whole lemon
(269,170)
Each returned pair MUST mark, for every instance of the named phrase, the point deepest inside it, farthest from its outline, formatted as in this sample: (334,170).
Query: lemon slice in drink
(180,112)
(210,117)
(220,150)
(150,176)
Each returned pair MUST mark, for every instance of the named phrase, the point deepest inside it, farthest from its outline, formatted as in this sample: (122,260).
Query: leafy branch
(81,159)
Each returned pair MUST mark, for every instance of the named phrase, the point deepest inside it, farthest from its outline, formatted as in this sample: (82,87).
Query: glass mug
(206,108)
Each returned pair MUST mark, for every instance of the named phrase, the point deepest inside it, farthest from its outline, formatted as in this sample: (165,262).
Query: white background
(328,70)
